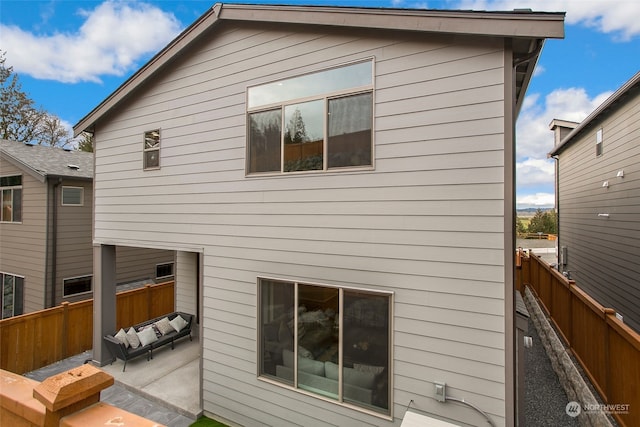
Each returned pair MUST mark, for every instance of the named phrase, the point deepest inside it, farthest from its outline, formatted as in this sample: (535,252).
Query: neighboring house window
(76,285)
(599,142)
(152,149)
(330,341)
(164,271)
(12,295)
(72,196)
(319,121)
(11,191)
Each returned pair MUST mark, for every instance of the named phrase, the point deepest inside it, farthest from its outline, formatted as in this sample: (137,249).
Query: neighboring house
(338,184)
(46,254)
(598,196)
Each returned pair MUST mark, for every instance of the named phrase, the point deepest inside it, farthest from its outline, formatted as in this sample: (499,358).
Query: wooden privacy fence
(38,339)
(607,349)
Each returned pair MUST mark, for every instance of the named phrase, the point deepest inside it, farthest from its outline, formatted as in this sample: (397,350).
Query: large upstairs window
(11,192)
(315,122)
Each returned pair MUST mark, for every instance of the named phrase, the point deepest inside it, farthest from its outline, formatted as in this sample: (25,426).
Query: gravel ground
(545,399)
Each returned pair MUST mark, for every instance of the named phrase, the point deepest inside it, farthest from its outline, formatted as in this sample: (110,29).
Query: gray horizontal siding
(604,252)
(74,246)
(22,245)
(427,223)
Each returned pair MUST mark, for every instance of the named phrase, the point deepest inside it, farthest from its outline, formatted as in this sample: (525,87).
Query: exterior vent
(74,167)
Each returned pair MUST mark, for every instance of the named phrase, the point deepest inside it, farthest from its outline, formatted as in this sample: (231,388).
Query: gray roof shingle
(47,161)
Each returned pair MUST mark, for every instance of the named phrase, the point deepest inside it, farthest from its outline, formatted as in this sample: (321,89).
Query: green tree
(296,132)
(20,119)
(86,142)
(543,222)
(520,227)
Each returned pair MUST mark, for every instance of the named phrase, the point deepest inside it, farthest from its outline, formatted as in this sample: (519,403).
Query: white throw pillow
(178,323)
(133,339)
(122,337)
(164,326)
(147,336)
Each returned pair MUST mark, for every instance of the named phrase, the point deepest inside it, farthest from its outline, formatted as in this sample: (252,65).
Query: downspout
(515,415)
(557,184)
(54,242)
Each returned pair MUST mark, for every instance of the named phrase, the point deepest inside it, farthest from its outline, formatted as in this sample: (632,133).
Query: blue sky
(70,55)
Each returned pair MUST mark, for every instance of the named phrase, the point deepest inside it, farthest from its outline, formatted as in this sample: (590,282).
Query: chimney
(561,128)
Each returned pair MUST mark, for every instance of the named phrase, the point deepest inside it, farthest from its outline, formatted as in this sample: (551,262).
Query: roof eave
(536,25)
(522,24)
(37,174)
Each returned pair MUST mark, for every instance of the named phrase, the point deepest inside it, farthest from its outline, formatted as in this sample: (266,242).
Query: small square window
(72,196)
(599,142)
(152,149)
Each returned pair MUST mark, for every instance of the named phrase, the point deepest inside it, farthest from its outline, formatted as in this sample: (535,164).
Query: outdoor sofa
(143,338)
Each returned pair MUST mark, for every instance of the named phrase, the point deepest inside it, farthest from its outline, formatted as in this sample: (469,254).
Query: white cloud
(537,200)
(112,38)
(534,139)
(535,172)
(617,17)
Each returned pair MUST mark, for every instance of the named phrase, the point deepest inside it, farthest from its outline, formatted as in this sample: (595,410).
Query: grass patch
(207,422)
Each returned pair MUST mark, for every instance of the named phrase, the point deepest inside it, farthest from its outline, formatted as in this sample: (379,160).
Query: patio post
(104,300)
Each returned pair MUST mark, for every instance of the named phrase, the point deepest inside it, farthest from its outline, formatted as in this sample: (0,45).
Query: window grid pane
(350,131)
(265,141)
(304,136)
(311,85)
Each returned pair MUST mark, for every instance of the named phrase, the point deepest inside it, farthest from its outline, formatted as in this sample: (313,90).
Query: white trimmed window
(315,122)
(599,140)
(328,341)
(151,149)
(11,193)
(12,296)
(72,196)
(77,285)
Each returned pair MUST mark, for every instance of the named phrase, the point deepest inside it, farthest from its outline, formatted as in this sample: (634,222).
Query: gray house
(46,254)
(598,195)
(338,185)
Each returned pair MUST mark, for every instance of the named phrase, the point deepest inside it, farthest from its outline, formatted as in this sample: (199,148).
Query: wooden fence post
(607,356)
(65,329)
(149,304)
(572,283)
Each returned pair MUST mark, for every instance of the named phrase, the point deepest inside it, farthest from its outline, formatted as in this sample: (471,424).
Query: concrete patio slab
(171,378)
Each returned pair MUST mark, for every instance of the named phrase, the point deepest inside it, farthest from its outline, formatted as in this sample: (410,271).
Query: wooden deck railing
(607,349)
(37,339)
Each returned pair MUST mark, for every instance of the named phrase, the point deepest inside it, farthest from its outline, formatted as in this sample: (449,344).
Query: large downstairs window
(319,121)
(329,341)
